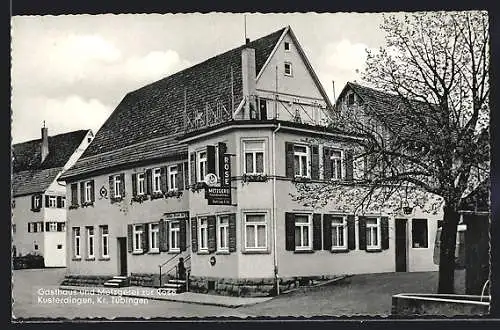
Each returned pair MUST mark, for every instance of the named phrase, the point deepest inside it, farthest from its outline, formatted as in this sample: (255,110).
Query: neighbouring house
(201,165)
(38,199)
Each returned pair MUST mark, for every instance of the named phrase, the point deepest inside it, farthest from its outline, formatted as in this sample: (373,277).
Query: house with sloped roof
(189,182)
(38,198)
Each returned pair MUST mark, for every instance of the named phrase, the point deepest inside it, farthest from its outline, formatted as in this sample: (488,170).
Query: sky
(72,71)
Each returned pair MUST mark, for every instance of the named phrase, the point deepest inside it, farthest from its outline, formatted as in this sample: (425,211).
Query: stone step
(116,280)
(113,284)
(172,285)
(120,277)
(176,281)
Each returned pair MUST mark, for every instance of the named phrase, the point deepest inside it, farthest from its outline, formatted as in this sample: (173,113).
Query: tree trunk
(447,250)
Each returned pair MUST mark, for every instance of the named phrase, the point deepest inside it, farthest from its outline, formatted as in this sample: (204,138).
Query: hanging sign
(220,194)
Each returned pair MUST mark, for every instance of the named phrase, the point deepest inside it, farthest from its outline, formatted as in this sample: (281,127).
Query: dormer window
(288,69)
(287,46)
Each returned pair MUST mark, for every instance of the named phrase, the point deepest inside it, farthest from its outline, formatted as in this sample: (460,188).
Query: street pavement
(368,294)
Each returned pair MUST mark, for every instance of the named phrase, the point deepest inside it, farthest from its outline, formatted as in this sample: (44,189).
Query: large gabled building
(202,165)
(38,199)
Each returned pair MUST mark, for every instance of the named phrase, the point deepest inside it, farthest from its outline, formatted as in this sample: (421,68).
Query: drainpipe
(274,212)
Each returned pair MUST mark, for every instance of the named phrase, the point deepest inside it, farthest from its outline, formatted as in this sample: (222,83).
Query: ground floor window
(154,229)
(373,233)
(419,233)
(104,241)
(137,238)
(303,229)
(339,233)
(90,242)
(175,234)
(76,242)
(255,231)
(222,230)
(203,233)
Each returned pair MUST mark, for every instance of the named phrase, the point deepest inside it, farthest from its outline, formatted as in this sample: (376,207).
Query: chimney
(248,76)
(45,142)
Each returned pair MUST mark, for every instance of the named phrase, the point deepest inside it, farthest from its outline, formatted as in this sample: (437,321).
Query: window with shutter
(290,231)
(47,201)
(164,179)
(373,233)
(362,233)
(289,162)
(303,232)
(339,232)
(186,175)
(149,181)
(349,165)
(223,233)
(59,202)
(111,188)
(82,192)
(301,161)
(163,235)
(137,238)
(173,177)
(317,243)
(122,190)
(174,235)
(154,231)
(130,238)
(201,165)
(384,232)
(179,177)
(134,184)
(192,170)
(315,162)
(210,154)
(203,234)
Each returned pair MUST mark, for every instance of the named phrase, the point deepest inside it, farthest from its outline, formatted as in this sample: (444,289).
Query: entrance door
(401,245)
(122,255)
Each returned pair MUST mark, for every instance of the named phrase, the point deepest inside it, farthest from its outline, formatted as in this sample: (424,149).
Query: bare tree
(428,132)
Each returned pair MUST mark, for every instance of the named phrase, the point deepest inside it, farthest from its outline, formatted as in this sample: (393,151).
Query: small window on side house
(287,46)
(288,69)
(350,99)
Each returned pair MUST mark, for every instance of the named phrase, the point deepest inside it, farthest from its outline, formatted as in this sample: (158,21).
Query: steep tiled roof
(160,148)
(33,181)
(27,155)
(157,110)
(30,175)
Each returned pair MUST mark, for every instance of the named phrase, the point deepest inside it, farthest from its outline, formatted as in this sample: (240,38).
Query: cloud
(61,115)
(154,65)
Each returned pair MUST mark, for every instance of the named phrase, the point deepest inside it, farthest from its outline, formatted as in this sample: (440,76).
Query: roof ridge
(206,60)
(52,136)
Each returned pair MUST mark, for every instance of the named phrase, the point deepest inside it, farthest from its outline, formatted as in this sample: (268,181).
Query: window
(287,46)
(222,230)
(203,233)
(140,184)
(419,233)
(117,185)
(255,231)
(35,227)
(254,157)
(358,168)
(175,234)
(157,180)
(90,242)
(14,228)
(288,69)
(52,226)
(104,241)
(52,201)
(172,177)
(74,194)
(372,233)
(303,232)
(63,202)
(37,202)
(88,191)
(35,246)
(350,99)
(137,238)
(336,164)
(59,246)
(153,237)
(202,165)
(339,233)
(301,161)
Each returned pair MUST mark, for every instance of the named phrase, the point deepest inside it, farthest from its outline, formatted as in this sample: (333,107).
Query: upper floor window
(140,184)
(301,161)
(336,164)
(52,201)
(350,99)
(287,46)
(36,202)
(117,185)
(254,157)
(288,69)
(88,191)
(157,180)
(172,177)
(202,165)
